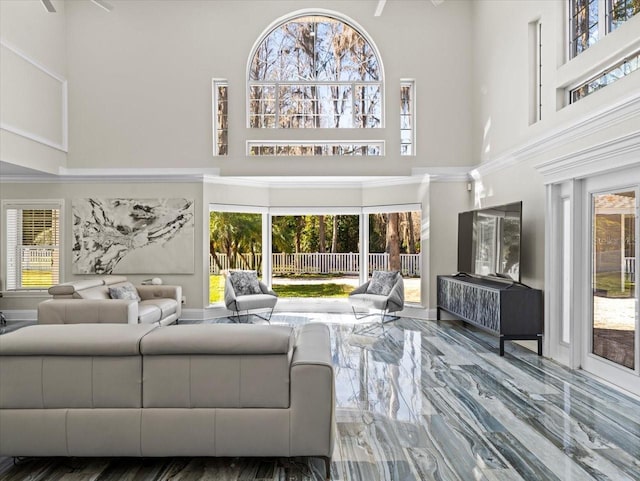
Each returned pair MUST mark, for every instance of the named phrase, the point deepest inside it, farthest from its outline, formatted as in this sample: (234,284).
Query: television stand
(511,310)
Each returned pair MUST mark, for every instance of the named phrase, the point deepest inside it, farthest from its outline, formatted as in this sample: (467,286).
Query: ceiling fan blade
(104,5)
(48,6)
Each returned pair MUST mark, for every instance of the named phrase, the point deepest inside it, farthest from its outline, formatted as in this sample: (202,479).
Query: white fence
(630,267)
(314,263)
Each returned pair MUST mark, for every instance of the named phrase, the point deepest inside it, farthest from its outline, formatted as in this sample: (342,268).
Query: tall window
(220,118)
(315,71)
(590,20)
(394,245)
(584,24)
(535,71)
(407,117)
(235,242)
(33,246)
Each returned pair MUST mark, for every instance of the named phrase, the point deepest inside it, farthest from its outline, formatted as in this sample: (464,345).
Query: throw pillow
(125,291)
(245,282)
(382,282)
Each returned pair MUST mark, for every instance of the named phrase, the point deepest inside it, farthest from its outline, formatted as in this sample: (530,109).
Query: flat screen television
(489,241)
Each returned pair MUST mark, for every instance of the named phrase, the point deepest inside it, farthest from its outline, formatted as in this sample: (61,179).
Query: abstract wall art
(133,236)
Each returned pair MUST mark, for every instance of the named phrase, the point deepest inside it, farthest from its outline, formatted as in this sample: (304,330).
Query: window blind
(33,248)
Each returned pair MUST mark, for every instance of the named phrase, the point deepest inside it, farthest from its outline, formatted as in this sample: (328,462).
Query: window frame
(603,22)
(411,84)
(619,63)
(249,83)
(216,83)
(31,204)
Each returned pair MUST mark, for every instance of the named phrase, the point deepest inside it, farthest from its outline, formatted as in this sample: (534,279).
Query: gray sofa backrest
(229,366)
(78,366)
(97,288)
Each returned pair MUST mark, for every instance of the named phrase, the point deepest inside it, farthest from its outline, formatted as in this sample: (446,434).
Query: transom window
(315,71)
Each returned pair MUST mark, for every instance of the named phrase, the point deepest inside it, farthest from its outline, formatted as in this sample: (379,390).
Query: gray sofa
(88,301)
(207,390)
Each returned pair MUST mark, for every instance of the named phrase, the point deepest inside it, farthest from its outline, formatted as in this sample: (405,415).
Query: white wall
(192,284)
(502,134)
(33,65)
(501,73)
(141,83)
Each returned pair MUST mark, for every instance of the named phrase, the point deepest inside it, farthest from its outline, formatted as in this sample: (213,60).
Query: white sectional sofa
(207,390)
(88,301)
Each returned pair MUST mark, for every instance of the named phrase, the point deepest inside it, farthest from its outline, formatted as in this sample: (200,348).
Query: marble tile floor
(425,400)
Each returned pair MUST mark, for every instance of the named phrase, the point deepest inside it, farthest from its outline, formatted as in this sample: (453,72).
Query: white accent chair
(243,291)
(384,292)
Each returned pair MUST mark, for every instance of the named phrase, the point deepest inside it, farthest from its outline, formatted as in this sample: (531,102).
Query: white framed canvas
(133,236)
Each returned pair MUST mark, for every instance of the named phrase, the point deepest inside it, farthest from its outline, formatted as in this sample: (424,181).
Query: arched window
(315,71)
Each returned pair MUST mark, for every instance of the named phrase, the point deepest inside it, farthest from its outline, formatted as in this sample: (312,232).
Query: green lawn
(216,289)
(313,290)
(35,278)
(610,282)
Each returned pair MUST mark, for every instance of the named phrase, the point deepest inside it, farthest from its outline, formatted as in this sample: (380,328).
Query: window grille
(607,77)
(315,71)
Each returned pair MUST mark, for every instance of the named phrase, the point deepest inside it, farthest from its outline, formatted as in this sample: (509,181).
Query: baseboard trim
(20,314)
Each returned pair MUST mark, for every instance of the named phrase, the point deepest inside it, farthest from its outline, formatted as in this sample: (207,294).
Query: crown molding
(608,156)
(621,111)
(444,174)
(122,176)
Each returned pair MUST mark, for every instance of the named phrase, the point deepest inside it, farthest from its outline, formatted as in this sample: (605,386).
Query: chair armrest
(266,290)
(395,299)
(162,292)
(96,311)
(312,393)
(360,289)
(229,294)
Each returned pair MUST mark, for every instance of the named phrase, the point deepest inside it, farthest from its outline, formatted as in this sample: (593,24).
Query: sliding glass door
(394,245)
(235,242)
(613,247)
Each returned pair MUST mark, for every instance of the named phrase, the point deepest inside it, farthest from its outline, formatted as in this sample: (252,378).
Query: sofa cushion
(75,340)
(166,306)
(124,291)
(382,282)
(369,301)
(217,366)
(219,339)
(245,282)
(148,313)
(256,301)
